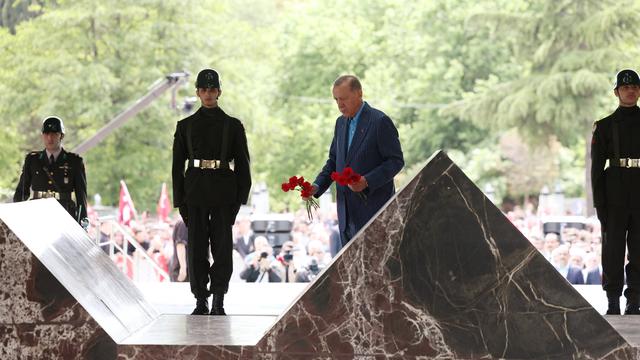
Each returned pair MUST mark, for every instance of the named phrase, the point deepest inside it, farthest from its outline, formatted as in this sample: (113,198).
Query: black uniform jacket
(210,187)
(66,176)
(616,186)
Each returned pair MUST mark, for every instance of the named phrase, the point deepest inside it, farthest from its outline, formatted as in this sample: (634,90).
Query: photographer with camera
(262,266)
(286,260)
(318,260)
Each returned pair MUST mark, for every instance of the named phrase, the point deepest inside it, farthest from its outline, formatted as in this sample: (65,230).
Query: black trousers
(210,228)
(622,231)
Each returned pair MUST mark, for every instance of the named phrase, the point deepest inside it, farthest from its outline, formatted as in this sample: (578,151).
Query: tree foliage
(452,74)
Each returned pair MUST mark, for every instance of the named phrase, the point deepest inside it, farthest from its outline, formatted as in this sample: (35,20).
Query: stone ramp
(62,296)
(89,275)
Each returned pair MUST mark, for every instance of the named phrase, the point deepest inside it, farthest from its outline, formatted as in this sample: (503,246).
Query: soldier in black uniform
(616,193)
(213,147)
(54,172)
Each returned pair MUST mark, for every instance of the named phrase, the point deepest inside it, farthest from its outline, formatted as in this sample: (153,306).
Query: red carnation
(306,192)
(347,172)
(343,180)
(347,177)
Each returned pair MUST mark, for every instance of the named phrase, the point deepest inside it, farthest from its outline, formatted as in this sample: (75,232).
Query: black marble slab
(441,273)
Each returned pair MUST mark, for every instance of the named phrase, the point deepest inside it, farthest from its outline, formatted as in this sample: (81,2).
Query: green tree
(12,12)
(87,61)
(569,52)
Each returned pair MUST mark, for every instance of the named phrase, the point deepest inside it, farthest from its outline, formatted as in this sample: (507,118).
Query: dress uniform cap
(208,78)
(52,124)
(627,77)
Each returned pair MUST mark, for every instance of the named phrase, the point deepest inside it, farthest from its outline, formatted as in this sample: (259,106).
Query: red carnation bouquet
(306,193)
(348,177)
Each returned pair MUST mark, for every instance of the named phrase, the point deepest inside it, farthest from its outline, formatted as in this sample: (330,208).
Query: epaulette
(73,156)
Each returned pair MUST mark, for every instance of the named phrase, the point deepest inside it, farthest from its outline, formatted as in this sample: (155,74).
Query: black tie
(51,159)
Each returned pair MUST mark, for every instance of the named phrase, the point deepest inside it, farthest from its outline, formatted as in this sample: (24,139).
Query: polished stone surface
(440,272)
(255,299)
(79,265)
(38,317)
(202,330)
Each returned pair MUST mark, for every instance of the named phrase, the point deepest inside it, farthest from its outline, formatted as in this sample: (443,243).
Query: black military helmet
(52,124)
(208,78)
(627,77)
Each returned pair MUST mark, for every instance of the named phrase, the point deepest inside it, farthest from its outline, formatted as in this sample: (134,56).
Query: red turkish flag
(164,204)
(126,209)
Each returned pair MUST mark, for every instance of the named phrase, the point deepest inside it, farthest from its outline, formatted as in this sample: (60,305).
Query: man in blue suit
(366,140)
(560,260)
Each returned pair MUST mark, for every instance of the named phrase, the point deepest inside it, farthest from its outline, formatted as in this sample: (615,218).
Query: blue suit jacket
(594,277)
(375,153)
(574,275)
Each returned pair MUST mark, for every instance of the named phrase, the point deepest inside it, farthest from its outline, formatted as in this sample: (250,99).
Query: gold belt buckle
(210,164)
(48,194)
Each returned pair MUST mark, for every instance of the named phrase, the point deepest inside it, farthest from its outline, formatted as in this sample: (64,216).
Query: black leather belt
(626,163)
(208,164)
(52,194)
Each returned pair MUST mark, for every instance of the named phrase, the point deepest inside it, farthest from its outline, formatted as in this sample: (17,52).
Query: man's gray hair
(354,82)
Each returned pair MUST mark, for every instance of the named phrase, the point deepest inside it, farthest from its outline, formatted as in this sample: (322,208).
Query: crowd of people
(307,249)
(574,250)
(572,245)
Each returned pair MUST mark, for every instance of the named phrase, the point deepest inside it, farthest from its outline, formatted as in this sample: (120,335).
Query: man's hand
(314,190)
(182,274)
(359,186)
(265,264)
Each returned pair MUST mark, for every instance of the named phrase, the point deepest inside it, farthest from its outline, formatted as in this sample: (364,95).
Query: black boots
(633,303)
(614,305)
(632,309)
(202,307)
(217,304)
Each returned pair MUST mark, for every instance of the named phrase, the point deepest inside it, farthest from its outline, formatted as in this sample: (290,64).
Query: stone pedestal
(39,319)
(438,273)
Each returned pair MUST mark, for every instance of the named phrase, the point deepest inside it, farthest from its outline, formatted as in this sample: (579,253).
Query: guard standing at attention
(213,147)
(616,193)
(54,173)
